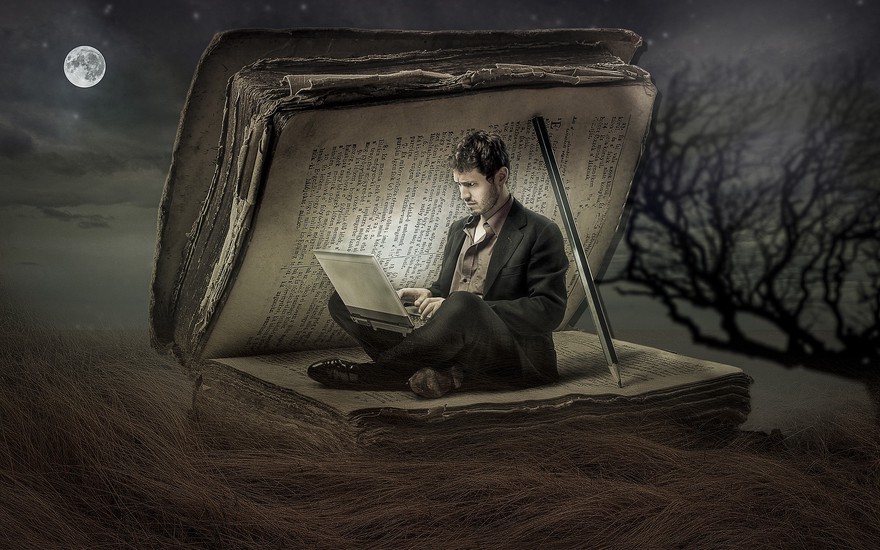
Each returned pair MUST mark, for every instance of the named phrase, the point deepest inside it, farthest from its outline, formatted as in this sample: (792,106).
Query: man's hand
(414,295)
(422,299)
(430,306)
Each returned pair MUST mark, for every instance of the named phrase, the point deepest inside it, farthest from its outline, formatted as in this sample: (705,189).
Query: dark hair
(480,150)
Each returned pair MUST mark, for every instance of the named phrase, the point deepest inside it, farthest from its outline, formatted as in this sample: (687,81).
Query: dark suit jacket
(525,280)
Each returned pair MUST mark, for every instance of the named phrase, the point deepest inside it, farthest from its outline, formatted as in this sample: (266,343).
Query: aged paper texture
(583,373)
(375,179)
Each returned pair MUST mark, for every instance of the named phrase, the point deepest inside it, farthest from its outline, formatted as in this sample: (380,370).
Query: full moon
(84,66)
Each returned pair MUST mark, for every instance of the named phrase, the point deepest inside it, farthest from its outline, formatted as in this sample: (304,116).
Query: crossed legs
(465,336)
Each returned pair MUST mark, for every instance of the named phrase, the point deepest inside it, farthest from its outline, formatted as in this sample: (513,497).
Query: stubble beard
(488,203)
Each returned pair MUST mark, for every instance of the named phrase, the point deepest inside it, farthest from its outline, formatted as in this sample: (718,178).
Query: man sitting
(500,293)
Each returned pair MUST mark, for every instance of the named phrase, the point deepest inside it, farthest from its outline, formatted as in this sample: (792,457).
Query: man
(500,293)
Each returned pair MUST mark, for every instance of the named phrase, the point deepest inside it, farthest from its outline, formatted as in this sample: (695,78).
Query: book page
(670,379)
(374,179)
(192,178)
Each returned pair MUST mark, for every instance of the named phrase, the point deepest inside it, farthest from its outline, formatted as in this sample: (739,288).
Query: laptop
(366,291)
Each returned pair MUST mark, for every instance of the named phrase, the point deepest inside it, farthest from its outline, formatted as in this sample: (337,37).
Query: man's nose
(464,192)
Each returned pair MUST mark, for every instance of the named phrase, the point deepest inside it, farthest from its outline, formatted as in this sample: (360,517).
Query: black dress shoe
(348,375)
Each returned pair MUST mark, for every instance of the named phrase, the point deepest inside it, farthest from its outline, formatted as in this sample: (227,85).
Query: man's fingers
(416,295)
(430,307)
(425,305)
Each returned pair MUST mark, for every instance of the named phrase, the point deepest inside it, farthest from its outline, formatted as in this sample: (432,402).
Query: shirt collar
(498,218)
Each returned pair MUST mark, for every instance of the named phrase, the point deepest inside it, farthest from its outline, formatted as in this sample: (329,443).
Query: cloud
(14,142)
(81,163)
(42,188)
(84,221)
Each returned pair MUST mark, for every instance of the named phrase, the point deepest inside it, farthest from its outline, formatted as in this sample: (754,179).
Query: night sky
(83,168)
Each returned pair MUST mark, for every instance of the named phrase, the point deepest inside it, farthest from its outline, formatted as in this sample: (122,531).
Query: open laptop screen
(361,283)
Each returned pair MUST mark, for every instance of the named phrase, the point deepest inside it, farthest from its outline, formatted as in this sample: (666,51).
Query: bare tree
(759,201)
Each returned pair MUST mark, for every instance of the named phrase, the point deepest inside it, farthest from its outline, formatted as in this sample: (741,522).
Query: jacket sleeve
(444,279)
(537,289)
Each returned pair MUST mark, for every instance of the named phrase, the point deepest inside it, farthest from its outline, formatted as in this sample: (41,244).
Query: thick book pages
(317,150)
(655,382)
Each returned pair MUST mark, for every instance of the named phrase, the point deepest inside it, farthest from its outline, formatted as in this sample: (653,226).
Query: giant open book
(292,141)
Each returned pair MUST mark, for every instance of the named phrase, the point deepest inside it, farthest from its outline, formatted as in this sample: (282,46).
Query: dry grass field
(100,447)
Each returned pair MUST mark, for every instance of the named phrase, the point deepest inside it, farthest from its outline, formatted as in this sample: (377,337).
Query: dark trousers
(464,332)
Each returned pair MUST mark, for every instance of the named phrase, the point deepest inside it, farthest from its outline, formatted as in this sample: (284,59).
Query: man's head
(481,151)
(481,168)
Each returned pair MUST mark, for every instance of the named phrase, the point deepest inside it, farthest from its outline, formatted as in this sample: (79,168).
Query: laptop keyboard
(415,317)
(417,320)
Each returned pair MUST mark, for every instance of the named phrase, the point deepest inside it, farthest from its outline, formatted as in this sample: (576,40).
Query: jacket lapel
(456,239)
(508,240)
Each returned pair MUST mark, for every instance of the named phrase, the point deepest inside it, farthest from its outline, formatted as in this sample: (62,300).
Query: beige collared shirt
(473,259)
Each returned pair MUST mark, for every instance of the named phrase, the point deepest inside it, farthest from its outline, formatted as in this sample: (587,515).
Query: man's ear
(501,176)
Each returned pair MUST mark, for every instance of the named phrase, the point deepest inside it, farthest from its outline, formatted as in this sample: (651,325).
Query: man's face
(475,189)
